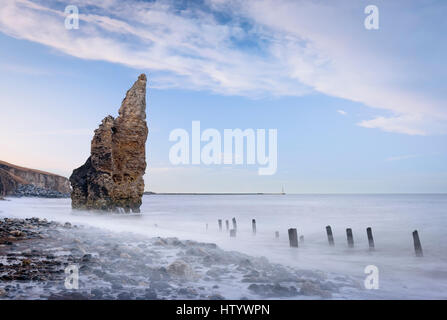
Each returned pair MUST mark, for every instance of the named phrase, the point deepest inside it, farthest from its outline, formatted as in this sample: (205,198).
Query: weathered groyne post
(253,226)
(417,244)
(277,234)
(370,238)
(227,225)
(350,238)
(234,224)
(220,224)
(330,237)
(233,233)
(293,238)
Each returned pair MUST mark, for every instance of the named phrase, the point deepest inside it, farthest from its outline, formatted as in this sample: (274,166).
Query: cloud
(32,71)
(189,49)
(259,48)
(65,132)
(342,112)
(404,157)
(408,124)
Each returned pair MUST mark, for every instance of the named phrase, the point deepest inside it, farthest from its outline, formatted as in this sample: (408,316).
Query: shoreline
(34,254)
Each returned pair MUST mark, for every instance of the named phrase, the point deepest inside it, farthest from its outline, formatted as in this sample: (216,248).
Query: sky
(356,110)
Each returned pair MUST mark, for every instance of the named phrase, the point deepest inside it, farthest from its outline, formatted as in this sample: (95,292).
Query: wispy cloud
(64,132)
(404,157)
(257,48)
(410,124)
(23,69)
(342,112)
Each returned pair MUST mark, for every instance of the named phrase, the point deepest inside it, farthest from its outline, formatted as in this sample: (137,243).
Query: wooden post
(370,238)
(417,244)
(220,224)
(301,238)
(293,238)
(207,227)
(350,238)
(253,226)
(227,225)
(277,234)
(330,237)
(233,233)
(234,224)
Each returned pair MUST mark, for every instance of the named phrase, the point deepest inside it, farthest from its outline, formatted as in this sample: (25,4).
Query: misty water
(391,217)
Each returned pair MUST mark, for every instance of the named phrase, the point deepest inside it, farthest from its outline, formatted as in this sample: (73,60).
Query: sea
(398,273)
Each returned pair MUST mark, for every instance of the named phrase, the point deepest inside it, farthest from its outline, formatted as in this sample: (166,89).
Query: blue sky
(356,110)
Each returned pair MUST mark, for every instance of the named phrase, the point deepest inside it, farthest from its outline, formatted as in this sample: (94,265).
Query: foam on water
(392,218)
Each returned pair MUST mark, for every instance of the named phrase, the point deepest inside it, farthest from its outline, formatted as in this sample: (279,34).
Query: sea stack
(112,177)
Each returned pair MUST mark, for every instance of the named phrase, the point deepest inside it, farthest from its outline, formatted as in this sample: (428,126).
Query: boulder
(29,190)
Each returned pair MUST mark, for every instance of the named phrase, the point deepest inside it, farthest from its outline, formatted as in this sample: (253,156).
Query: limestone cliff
(112,177)
(11,176)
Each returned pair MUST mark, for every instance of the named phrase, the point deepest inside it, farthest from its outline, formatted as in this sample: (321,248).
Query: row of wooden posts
(293,235)
(233,231)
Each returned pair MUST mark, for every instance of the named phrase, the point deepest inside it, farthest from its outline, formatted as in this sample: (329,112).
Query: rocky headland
(25,182)
(112,177)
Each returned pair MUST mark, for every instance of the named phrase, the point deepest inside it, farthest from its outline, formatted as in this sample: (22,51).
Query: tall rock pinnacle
(112,177)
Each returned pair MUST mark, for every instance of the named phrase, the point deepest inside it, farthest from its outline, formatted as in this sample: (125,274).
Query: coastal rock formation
(12,176)
(7,183)
(112,177)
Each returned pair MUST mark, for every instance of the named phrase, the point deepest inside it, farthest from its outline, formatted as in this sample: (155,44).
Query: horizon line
(300,193)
